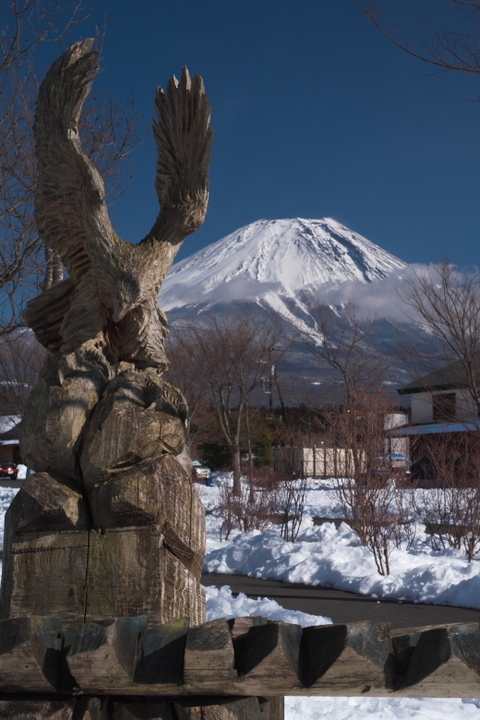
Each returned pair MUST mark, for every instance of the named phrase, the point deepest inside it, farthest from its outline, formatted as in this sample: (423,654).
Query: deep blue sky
(315,114)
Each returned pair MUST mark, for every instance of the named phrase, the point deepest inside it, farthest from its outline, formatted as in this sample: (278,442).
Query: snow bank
(338,708)
(335,558)
(221,603)
(6,496)
(323,555)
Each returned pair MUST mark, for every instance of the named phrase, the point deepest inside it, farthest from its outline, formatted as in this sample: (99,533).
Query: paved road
(341,606)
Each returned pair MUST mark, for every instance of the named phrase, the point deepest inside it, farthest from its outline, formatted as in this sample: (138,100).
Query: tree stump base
(82,574)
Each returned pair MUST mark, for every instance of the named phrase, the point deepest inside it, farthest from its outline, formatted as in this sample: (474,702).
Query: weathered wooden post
(109,526)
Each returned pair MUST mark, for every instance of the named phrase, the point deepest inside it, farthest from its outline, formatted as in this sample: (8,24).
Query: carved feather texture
(64,174)
(183,135)
(110,298)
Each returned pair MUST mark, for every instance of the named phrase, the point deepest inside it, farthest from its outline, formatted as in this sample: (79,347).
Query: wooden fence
(235,658)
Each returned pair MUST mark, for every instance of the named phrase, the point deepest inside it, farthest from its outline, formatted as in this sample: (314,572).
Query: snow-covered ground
(324,555)
(6,497)
(337,708)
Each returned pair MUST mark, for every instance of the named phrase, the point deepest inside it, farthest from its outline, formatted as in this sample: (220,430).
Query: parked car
(8,469)
(201,471)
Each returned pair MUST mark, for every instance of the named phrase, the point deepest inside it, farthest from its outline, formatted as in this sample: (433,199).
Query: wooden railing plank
(439,661)
(248,657)
(105,656)
(30,654)
(340,658)
(161,654)
(267,656)
(209,654)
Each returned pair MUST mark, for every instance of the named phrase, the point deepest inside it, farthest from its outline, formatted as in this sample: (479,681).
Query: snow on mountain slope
(282,269)
(274,260)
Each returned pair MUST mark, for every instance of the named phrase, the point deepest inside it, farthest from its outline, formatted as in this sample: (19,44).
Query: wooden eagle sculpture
(109,300)
(110,521)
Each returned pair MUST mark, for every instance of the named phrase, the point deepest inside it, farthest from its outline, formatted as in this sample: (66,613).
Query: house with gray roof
(444,414)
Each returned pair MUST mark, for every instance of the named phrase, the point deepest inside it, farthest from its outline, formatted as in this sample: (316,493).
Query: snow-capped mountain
(274,261)
(283,268)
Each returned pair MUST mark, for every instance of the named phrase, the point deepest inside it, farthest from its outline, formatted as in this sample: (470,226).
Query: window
(444,407)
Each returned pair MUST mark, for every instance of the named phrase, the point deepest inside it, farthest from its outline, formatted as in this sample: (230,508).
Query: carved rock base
(110,525)
(89,576)
(55,563)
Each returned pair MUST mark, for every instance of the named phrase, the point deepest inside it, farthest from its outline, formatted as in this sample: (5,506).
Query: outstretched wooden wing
(111,295)
(183,135)
(69,200)
(70,195)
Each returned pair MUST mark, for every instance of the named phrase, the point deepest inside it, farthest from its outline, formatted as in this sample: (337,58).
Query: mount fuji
(284,268)
(277,263)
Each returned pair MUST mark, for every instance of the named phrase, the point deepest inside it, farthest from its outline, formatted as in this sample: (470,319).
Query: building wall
(422,406)
(395,420)
(9,452)
(422,409)
(314,462)
(327,462)
(400,445)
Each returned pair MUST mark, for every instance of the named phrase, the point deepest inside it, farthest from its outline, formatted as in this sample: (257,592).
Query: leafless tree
(450,42)
(185,370)
(451,512)
(21,361)
(358,426)
(25,25)
(234,357)
(447,303)
(367,496)
(344,348)
(109,133)
(290,497)
(250,510)
(371,514)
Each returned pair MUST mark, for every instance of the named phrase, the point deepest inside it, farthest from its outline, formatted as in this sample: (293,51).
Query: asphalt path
(344,607)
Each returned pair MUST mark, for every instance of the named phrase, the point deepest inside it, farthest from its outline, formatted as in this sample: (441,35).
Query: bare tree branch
(344,348)
(447,303)
(453,45)
(232,359)
(109,134)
